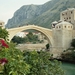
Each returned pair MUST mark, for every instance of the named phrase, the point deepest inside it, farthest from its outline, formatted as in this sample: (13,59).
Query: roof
(64,23)
(54,22)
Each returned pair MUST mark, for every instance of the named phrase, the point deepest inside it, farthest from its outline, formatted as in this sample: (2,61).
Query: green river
(68,68)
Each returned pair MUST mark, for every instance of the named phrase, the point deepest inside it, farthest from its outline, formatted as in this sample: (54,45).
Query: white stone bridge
(47,32)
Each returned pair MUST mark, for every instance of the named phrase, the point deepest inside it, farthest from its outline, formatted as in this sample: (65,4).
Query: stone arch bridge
(47,32)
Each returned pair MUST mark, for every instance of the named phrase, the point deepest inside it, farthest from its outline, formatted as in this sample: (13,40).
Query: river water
(68,68)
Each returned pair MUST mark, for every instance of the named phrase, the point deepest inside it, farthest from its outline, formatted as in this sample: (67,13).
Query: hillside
(42,15)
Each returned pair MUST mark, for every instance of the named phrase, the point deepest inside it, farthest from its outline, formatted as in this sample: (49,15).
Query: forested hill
(42,15)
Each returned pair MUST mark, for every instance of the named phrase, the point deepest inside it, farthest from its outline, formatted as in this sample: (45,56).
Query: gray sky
(8,7)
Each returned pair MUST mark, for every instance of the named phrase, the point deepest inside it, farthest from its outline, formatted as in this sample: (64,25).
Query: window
(71,12)
(59,26)
(56,27)
(69,17)
(68,26)
(62,14)
(71,26)
(65,26)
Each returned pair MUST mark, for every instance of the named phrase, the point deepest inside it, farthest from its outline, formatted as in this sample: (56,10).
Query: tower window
(69,17)
(56,27)
(71,12)
(65,26)
(71,26)
(59,26)
(62,14)
(68,26)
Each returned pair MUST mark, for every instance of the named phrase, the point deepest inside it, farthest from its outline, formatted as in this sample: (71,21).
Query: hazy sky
(8,7)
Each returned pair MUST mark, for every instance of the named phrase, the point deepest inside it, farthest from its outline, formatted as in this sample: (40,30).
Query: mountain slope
(42,15)
(53,14)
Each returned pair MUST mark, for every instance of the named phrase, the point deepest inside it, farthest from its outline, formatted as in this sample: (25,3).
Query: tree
(11,59)
(30,36)
(4,34)
(41,65)
(73,43)
(18,39)
(14,63)
(47,46)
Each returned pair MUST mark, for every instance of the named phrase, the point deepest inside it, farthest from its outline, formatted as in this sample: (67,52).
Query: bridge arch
(47,32)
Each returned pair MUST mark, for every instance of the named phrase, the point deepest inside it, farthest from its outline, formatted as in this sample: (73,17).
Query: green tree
(47,46)
(3,33)
(73,43)
(30,36)
(17,39)
(41,65)
(11,59)
(16,65)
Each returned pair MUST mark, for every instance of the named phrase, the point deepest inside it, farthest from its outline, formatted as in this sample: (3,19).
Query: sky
(8,7)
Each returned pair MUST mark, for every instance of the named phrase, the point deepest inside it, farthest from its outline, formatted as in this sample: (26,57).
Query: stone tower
(2,24)
(69,16)
(62,36)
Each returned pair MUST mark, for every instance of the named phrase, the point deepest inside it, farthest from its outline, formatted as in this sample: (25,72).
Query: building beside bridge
(68,15)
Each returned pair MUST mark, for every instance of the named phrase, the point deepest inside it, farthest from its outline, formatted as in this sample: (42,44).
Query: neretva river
(68,68)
